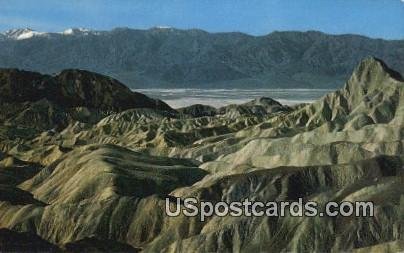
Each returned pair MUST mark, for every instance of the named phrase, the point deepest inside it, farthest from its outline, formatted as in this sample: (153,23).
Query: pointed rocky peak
(372,76)
(372,69)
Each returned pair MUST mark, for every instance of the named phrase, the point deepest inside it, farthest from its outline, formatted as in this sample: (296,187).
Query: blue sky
(374,18)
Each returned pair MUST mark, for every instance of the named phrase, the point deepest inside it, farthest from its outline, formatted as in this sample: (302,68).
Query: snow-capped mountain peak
(22,34)
(77,31)
(27,33)
(163,27)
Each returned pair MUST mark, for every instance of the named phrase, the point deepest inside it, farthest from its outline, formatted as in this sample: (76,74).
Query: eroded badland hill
(86,164)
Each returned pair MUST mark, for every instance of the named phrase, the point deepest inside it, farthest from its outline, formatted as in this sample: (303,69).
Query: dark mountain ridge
(36,101)
(194,58)
(72,88)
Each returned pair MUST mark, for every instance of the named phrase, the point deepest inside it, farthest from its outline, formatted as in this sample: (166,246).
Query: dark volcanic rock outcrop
(83,88)
(72,88)
(44,102)
(198,110)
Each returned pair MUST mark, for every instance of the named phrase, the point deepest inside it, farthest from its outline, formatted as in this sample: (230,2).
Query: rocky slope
(101,185)
(34,100)
(72,88)
(195,58)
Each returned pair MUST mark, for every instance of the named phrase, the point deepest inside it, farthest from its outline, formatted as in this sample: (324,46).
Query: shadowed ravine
(86,165)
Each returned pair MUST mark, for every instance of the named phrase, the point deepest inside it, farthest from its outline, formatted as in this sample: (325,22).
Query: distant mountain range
(27,33)
(165,57)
